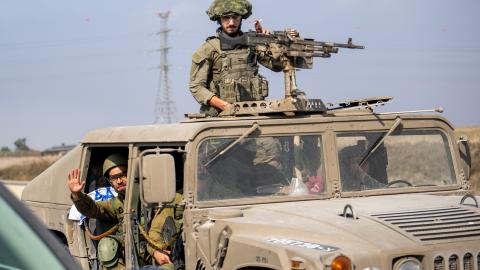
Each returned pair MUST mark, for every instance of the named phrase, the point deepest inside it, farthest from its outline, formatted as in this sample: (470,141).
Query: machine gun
(294,52)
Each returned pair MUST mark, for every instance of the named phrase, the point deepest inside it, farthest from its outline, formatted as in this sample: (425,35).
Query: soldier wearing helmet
(109,250)
(224,72)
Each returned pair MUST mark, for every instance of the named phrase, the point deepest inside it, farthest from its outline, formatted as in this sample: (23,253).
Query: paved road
(16,187)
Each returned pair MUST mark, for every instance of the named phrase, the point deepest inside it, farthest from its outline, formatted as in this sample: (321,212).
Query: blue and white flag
(98,195)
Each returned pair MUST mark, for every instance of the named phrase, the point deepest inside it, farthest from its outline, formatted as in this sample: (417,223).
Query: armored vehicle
(285,184)
(326,187)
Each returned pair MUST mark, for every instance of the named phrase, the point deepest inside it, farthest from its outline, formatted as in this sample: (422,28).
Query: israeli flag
(98,195)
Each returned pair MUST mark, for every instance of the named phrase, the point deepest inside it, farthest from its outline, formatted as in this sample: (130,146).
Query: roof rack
(359,104)
(288,106)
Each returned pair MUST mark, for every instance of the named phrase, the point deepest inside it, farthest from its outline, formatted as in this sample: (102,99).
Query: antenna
(165,106)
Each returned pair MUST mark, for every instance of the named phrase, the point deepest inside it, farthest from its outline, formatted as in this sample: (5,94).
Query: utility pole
(165,105)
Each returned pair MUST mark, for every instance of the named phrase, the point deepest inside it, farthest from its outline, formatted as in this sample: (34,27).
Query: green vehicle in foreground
(286,184)
(25,243)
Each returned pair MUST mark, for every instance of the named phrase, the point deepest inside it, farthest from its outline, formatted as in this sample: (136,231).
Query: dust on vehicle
(294,183)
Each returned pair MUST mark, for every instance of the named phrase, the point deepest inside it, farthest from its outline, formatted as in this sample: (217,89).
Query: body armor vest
(239,79)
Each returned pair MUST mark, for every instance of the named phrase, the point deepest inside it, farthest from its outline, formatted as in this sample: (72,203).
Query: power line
(165,106)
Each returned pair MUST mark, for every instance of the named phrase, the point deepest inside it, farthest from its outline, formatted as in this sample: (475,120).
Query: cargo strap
(110,231)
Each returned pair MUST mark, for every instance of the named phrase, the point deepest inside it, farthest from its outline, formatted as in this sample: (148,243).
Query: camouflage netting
(220,8)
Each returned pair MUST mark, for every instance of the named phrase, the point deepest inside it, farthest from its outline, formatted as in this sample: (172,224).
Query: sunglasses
(117,176)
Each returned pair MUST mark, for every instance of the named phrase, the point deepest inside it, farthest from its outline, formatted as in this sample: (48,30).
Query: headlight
(341,263)
(407,263)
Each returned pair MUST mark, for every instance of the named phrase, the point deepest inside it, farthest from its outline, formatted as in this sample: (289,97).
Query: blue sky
(71,66)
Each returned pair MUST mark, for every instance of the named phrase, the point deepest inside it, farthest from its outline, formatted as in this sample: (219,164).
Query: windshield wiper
(254,127)
(379,142)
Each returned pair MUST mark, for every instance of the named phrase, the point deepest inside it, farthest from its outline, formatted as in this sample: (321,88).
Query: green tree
(21,145)
(5,149)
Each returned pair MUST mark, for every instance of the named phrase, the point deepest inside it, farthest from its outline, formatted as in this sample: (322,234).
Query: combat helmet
(221,8)
(112,161)
(108,251)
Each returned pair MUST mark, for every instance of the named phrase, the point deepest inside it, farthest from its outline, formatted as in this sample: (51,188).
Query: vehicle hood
(310,227)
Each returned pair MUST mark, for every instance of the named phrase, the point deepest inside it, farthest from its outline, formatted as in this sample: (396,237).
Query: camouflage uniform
(222,68)
(228,74)
(226,69)
(166,224)
(109,211)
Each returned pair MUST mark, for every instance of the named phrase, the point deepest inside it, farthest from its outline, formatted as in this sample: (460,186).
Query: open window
(160,176)
(97,155)
(98,188)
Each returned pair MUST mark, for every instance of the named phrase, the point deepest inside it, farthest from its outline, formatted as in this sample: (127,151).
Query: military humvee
(317,187)
(286,184)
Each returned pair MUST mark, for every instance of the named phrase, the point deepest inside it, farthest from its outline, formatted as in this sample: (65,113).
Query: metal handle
(345,214)
(467,197)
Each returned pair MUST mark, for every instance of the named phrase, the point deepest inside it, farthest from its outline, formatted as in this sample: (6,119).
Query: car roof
(38,228)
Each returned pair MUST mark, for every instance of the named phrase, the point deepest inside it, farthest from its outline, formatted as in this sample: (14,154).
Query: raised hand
(74,183)
(259,28)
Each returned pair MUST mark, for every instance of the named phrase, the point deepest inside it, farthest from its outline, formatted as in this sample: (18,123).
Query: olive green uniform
(109,211)
(160,230)
(112,211)
(227,74)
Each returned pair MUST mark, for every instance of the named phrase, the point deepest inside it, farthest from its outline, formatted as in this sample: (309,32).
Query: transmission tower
(165,105)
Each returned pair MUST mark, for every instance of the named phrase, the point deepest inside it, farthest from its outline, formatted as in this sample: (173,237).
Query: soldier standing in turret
(223,71)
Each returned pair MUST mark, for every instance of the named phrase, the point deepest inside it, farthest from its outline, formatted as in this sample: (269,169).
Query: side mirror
(465,157)
(157,179)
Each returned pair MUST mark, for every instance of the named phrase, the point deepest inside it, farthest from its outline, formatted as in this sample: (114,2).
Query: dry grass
(24,168)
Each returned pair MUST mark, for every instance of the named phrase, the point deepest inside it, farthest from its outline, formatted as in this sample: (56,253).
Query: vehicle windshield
(260,166)
(405,158)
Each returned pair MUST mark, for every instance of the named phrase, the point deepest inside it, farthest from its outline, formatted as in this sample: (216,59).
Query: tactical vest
(239,79)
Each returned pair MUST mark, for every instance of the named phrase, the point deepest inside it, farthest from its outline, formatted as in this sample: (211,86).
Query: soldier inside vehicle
(109,212)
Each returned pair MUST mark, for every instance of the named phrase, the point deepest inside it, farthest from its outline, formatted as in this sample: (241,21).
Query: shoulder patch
(214,43)
(197,58)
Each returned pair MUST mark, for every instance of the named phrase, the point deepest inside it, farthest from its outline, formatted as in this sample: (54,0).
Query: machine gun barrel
(281,37)
(294,52)
(295,46)
(348,45)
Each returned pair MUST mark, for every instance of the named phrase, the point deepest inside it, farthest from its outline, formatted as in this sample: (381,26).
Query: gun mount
(294,52)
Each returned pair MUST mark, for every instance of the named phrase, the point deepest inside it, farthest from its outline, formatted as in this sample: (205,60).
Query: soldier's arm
(219,103)
(155,233)
(85,204)
(92,209)
(199,75)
